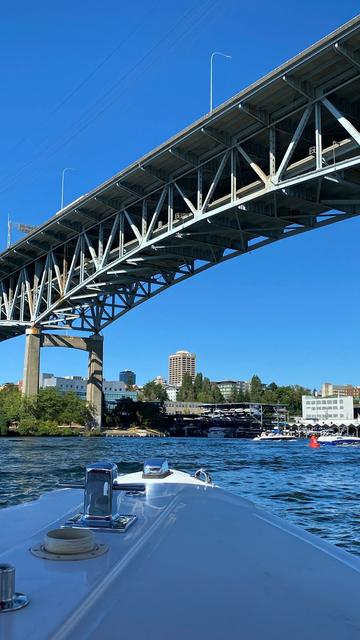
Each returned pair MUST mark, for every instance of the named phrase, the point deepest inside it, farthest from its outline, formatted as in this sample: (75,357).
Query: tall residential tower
(180,363)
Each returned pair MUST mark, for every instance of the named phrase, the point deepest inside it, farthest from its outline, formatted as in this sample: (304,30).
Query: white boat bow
(197,563)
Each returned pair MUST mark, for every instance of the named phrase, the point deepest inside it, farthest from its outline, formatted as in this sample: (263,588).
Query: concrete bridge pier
(93,345)
(94,391)
(32,362)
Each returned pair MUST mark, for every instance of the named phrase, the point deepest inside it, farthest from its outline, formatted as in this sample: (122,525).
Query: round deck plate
(40,552)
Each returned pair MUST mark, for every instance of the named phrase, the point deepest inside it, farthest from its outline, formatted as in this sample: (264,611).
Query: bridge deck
(279,158)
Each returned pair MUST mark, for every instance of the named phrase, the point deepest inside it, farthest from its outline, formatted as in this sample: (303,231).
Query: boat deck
(199,562)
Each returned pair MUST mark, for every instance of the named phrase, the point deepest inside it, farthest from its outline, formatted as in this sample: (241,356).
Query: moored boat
(337,440)
(274,436)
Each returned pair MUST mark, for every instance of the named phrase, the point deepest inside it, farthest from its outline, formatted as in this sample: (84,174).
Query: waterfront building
(180,363)
(160,380)
(327,409)
(330,389)
(113,389)
(227,387)
(184,408)
(172,392)
(128,377)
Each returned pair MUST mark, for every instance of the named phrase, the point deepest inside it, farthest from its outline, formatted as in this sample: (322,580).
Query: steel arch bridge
(280,158)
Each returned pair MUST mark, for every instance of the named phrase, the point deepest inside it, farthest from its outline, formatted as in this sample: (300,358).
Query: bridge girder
(189,206)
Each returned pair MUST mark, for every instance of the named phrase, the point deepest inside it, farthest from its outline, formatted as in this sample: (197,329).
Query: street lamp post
(214,53)
(62,184)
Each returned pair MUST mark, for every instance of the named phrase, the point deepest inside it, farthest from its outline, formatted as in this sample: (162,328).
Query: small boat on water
(337,440)
(160,552)
(274,436)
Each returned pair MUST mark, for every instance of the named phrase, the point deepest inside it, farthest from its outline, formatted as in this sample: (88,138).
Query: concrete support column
(32,362)
(95,376)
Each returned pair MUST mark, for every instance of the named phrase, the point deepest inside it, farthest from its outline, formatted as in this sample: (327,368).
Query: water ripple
(314,489)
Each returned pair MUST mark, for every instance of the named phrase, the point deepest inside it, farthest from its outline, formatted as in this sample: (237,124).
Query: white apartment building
(172,392)
(180,363)
(227,387)
(327,409)
(113,389)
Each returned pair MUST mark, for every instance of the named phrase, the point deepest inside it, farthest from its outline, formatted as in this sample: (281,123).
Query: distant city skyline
(285,312)
(129,377)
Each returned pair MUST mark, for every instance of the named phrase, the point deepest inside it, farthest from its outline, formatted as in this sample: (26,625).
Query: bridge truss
(280,158)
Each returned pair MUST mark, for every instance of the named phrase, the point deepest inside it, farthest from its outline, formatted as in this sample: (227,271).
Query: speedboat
(161,553)
(338,440)
(274,436)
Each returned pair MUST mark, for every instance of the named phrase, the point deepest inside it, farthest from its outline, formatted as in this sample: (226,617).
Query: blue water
(316,489)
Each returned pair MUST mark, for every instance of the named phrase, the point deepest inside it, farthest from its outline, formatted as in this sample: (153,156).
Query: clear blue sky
(93,86)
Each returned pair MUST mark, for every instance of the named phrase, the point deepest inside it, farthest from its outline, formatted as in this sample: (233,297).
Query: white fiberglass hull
(339,441)
(274,439)
(198,563)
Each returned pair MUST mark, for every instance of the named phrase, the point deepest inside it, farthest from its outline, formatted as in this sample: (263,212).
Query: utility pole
(8,231)
(62,185)
(214,53)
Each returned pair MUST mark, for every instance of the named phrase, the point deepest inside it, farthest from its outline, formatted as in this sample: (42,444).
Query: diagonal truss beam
(345,123)
(294,141)
(255,167)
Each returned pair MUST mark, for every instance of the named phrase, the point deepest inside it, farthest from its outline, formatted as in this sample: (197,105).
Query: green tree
(42,413)
(256,390)
(234,394)
(10,406)
(216,394)
(243,396)
(198,385)
(186,391)
(123,414)
(127,413)
(290,395)
(154,391)
(75,410)
(61,408)
(206,395)
(202,390)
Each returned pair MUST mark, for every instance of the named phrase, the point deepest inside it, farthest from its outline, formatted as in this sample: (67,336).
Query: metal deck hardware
(10,600)
(100,507)
(156,468)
